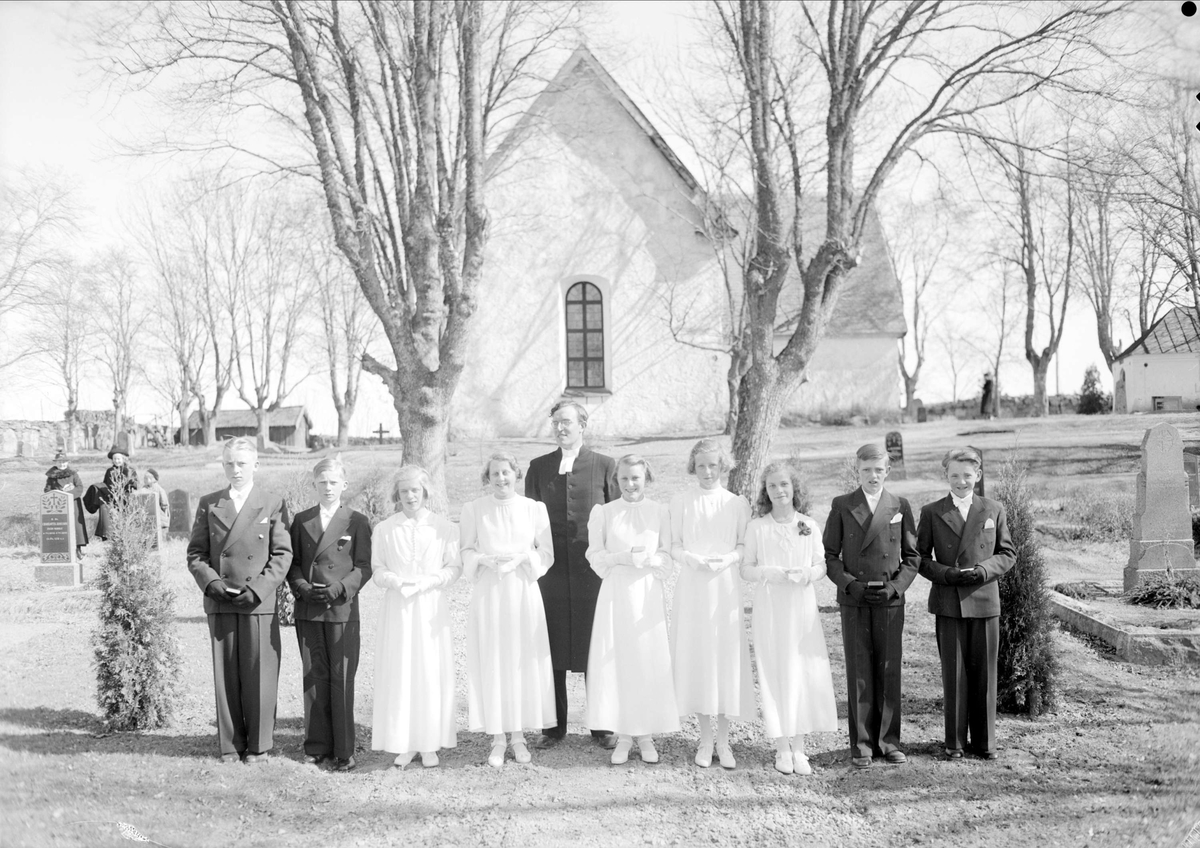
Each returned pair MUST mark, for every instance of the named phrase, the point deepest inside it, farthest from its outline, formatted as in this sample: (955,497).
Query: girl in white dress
(414,556)
(708,640)
(506,547)
(784,556)
(629,685)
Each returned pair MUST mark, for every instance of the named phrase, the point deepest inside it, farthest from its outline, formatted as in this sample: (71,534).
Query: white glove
(800,576)
(388,580)
(427,581)
(720,562)
(622,558)
(637,557)
(659,566)
(694,561)
(774,574)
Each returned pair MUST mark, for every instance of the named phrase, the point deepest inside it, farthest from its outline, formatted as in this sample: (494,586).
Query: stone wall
(30,438)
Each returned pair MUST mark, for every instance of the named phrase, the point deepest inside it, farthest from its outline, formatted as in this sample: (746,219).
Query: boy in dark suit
(239,553)
(965,548)
(331,562)
(871,554)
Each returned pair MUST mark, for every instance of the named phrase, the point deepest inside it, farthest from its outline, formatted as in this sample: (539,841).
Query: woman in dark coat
(62,478)
(120,481)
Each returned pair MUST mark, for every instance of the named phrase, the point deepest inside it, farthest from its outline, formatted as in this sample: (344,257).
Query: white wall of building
(1159,375)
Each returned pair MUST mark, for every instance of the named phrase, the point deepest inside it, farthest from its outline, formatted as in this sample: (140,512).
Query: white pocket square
(897,518)
(989,525)
(265,521)
(344,539)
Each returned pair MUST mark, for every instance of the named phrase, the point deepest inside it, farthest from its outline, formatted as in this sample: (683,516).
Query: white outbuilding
(1160,372)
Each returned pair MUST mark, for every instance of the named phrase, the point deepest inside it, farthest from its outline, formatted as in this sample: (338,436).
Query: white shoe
(429,759)
(704,755)
(620,754)
(647,750)
(496,757)
(800,764)
(403,759)
(521,753)
(726,756)
(783,762)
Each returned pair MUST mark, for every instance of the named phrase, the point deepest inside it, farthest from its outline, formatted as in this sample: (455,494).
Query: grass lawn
(1118,763)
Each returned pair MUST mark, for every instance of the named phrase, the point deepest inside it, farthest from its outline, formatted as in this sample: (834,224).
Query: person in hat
(120,481)
(150,484)
(63,478)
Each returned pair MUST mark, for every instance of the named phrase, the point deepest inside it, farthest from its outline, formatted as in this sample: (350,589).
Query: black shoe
(954,754)
(231,758)
(257,757)
(860,762)
(896,758)
(311,760)
(345,764)
(607,742)
(547,741)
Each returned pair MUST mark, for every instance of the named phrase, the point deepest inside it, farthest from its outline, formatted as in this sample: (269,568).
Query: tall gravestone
(59,565)
(895,448)
(1191,467)
(1162,526)
(181,511)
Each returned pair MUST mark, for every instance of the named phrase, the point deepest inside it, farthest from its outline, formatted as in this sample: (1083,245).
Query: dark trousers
(329,658)
(560,707)
(873,638)
(245,651)
(968,648)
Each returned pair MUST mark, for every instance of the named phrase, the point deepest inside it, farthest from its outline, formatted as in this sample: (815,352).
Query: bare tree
(1101,242)
(393,102)
(963,48)
(64,333)
(120,321)
(35,209)
(955,353)
(990,338)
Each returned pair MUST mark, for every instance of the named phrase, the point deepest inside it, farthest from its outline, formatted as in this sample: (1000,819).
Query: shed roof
(1176,332)
(285,416)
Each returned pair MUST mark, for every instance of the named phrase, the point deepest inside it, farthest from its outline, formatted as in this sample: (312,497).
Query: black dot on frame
(1188,9)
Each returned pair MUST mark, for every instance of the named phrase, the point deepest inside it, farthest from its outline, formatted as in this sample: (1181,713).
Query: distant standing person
(331,562)
(62,478)
(985,400)
(120,481)
(871,555)
(150,484)
(570,481)
(965,548)
(239,552)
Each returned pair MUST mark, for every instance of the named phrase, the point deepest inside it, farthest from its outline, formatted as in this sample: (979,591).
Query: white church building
(602,284)
(1160,372)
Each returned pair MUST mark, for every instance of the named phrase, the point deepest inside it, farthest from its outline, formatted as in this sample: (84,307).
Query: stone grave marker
(59,565)
(8,442)
(123,443)
(182,511)
(979,490)
(1162,526)
(922,412)
(1191,466)
(895,449)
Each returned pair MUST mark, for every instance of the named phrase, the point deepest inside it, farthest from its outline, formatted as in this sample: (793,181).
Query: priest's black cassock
(570,587)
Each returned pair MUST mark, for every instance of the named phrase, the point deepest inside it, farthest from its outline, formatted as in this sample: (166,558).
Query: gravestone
(1191,466)
(123,443)
(922,412)
(147,504)
(8,442)
(979,490)
(59,565)
(895,449)
(182,511)
(1162,526)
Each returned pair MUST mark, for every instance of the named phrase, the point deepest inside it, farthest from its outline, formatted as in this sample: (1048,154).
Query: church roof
(1176,332)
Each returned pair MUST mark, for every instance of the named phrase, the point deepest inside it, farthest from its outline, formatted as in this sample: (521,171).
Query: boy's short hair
(724,460)
(500,456)
(966,454)
(874,450)
(329,463)
(150,472)
(240,443)
(636,459)
(578,407)
(412,472)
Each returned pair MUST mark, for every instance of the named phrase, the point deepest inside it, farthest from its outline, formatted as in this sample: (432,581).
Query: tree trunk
(423,414)
(1041,404)
(343,433)
(739,362)
(910,393)
(264,425)
(185,433)
(762,396)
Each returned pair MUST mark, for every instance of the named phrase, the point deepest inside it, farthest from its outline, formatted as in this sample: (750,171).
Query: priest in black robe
(570,481)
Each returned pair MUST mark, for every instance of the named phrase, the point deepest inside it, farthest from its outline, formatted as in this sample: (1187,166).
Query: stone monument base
(1155,557)
(60,574)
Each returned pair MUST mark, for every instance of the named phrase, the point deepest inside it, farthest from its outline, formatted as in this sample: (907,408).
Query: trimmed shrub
(298,494)
(374,497)
(1170,591)
(1027,667)
(1092,399)
(136,652)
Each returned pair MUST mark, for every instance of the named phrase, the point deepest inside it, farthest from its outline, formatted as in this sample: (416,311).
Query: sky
(54,117)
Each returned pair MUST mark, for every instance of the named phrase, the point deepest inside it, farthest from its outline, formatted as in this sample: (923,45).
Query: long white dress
(794,677)
(629,685)
(510,681)
(414,705)
(709,650)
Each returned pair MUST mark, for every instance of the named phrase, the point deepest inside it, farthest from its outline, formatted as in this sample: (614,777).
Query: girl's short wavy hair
(710,446)
(636,459)
(412,472)
(800,499)
(500,456)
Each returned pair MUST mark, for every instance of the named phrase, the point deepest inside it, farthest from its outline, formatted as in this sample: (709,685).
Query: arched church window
(585,337)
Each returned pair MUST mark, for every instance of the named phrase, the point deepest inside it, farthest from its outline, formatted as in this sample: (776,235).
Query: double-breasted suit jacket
(947,542)
(872,547)
(341,553)
(570,587)
(246,549)
(869,547)
(967,622)
(329,633)
(250,549)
